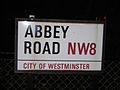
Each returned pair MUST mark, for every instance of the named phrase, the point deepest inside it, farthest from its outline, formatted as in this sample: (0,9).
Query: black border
(59,71)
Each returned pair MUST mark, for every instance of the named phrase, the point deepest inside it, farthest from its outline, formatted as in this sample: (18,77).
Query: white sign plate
(54,45)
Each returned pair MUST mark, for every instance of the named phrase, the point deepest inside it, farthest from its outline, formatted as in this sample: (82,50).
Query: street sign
(57,45)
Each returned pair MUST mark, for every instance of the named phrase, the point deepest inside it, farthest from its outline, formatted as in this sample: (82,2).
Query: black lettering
(38,32)
(46,48)
(56,48)
(27,47)
(64,31)
(47,32)
(29,31)
(55,31)
(37,47)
